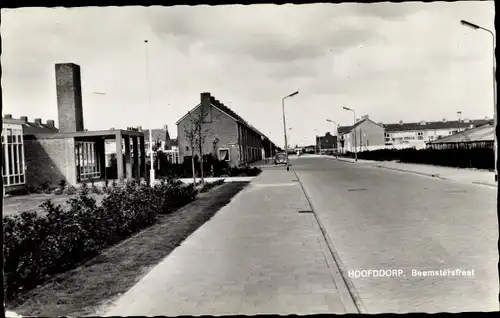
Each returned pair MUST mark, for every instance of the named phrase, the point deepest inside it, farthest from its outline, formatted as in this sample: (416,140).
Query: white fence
(416,145)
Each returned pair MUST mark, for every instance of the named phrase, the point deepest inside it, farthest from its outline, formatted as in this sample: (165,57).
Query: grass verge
(90,288)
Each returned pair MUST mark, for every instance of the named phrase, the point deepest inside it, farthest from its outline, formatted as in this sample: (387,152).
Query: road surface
(382,219)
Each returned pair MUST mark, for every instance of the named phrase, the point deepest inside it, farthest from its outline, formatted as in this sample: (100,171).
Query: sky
(407,61)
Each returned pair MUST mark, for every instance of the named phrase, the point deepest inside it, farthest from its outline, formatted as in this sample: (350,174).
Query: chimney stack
(205,97)
(69,97)
(165,127)
(444,120)
(400,122)
(38,121)
(139,128)
(50,123)
(25,119)
(7,116)
(206,100)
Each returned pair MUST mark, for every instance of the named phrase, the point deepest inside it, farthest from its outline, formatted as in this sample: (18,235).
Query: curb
(413,172)
(432,175)
(485,184)
(351,301)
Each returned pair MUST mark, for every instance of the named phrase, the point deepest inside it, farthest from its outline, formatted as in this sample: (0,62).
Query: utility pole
(151,155)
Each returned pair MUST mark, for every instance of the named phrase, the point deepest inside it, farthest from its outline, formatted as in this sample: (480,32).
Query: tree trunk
(202,179)
(193,169)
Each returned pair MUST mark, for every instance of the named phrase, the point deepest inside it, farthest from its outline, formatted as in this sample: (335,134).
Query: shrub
(70,190)
(244,171)
(39,246)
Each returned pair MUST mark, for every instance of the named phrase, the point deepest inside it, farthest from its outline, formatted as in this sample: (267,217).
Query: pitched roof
(436,125)
(346,129)
(223,108)
(482,133)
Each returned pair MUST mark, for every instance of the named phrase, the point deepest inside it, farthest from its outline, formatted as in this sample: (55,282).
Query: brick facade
(50,160)
(224,131)
(69,97)
(221,126)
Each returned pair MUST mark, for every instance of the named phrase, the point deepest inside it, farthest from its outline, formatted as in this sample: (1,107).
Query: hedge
(479,158)
(38,246)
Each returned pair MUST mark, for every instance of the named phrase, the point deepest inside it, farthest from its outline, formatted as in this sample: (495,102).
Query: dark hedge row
(479,158)
(40,245)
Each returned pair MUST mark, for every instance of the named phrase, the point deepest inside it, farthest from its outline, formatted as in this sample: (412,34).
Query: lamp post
(477,27)
(354,132)
(335,133)
(284,126)
(318,140)
(151,156)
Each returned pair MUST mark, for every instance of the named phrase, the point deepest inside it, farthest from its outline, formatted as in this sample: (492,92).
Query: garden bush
(38,246)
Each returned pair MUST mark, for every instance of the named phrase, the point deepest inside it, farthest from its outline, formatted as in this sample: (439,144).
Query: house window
(13,165)
(224,154)
(87,161)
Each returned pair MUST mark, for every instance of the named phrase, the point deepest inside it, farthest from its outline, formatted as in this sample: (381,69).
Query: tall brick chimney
(38,121)
(51,123)
(69,97)
(206,98)
(25,119)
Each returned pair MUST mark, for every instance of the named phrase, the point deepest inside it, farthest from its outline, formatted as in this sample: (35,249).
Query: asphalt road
(383,219)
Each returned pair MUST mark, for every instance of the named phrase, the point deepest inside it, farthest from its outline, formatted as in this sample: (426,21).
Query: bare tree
(191,134)
(201,136)
(196,136)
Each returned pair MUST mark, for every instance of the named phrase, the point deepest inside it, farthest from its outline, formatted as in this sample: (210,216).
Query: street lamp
(477,27)
(354,132)
(335,133)
(318,140)
(284,127)
(152,169)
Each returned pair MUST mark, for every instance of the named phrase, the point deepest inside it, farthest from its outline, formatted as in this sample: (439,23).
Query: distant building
(482,136)
(228,136)
(423,132)
(328,142)
(364,135)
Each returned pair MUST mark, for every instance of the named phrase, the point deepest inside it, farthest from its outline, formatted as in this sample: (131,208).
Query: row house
(423,132)
(228,136)
(364,135)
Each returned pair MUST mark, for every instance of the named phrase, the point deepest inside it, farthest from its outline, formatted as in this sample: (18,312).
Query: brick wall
(50,160)
(220,126)
(69,97)
(251,145)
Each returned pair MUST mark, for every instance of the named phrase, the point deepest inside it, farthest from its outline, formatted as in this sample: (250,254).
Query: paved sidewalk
(257,255)
(453,174)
